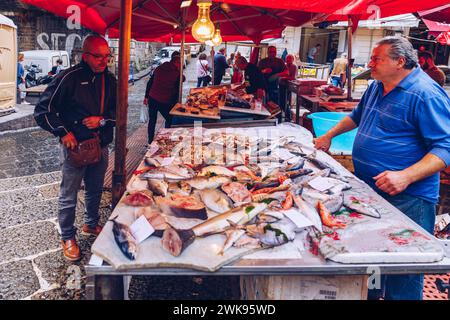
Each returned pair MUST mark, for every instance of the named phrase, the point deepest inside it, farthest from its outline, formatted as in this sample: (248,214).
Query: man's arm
(395,182)
(47,110)
(324,142)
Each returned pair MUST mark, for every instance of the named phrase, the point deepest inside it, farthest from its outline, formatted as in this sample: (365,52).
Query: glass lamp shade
(203,28)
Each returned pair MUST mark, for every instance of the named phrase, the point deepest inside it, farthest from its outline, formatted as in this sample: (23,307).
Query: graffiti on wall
(64,41)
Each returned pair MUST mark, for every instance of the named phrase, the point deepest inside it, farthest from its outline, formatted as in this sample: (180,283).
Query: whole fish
(332,202)
(216,170)
(309,212)
(360,206)
(319,163)
(125,240)
(175,241)
(273,234)
(216,200)
(201,183)
(232,235)
(327,218)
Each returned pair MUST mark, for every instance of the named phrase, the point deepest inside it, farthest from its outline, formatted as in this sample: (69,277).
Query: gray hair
(401,47)
(241,59)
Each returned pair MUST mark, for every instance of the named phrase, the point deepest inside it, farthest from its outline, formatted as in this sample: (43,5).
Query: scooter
(31,79)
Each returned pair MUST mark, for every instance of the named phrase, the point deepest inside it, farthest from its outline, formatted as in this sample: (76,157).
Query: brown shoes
(88,231)
(71,250)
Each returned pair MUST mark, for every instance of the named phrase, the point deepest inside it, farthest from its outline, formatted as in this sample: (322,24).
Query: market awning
(439,14)
(154,20)
(435,28)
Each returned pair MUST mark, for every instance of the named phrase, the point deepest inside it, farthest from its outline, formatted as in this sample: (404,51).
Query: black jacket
(73,95)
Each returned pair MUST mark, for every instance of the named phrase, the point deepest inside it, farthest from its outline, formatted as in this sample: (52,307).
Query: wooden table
(337,106)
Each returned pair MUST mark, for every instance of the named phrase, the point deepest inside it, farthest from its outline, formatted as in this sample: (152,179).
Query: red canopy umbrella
(155,20)
(439,14)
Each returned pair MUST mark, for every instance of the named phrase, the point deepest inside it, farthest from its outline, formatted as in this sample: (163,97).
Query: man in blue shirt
(220,65)
(403,141)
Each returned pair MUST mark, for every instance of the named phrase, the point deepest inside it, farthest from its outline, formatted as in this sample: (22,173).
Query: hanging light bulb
(217,38)
(203,28)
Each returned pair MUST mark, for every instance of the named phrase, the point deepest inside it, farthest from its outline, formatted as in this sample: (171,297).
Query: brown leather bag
(88,151)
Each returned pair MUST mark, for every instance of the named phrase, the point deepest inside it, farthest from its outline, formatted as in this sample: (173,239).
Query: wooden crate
(345,161)
(304,287)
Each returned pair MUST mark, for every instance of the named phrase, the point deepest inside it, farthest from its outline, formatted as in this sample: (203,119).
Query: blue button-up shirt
(397,130)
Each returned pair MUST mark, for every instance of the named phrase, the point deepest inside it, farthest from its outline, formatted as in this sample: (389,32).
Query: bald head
(92,42)
(96,53)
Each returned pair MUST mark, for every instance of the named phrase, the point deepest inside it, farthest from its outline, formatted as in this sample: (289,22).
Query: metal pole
(349,64)
(119,173)
(183,35)
(212,53)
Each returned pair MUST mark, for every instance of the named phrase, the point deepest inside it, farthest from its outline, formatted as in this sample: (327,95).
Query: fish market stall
(222,102)
(261,203)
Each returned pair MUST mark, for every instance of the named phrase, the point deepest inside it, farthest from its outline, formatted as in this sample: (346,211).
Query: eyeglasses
(100,56)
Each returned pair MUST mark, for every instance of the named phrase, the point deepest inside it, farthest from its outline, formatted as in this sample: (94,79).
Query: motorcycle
(31,79)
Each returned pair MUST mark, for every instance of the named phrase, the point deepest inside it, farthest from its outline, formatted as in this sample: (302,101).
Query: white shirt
(202,67)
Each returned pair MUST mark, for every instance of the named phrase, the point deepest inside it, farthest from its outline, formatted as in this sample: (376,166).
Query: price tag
(141,229)
(320,184)
(297,218)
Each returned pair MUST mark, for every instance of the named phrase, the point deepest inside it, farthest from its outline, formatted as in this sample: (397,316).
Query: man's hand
(266,70)
(392,182)
(92,122)
(69,141)
(145,101)
(322,143)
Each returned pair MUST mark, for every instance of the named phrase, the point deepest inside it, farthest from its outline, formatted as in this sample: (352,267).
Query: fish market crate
(304,287)
(346,161)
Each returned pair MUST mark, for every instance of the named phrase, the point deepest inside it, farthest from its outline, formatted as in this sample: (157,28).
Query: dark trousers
(153,108)
(283,98)
(217,79)
(202,81)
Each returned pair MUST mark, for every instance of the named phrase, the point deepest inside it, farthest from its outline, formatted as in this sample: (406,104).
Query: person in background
(71,109)
(426,61)
(203,77)
(292,68)
(162,92)
(237,73)
(313,53)
(220,65)
(402,143)
(284,55)
(21,80)
(273,68)
(230,60)
(253,77)
(284,95)
(338,74)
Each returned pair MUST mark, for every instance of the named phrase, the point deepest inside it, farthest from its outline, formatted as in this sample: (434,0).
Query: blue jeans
(336,81)
(310,60)
(93,176)
(407,287)
(202,81)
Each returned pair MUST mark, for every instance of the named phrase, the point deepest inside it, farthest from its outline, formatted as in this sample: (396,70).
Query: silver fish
(232,235)
(216,170)
(309,212)
(125,240)
(332,202)
(274,234)
(354,203)
(207,183)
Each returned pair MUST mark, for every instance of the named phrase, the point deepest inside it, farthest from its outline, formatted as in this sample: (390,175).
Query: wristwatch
(102,122)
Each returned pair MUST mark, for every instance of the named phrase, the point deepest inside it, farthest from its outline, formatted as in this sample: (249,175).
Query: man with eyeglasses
(79,104)
(403,141)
